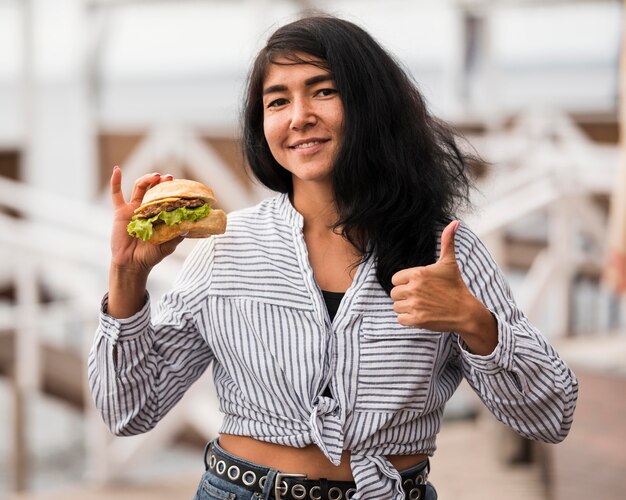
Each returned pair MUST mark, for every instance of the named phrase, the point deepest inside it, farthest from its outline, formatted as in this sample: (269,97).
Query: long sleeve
(140,367)
(524,382)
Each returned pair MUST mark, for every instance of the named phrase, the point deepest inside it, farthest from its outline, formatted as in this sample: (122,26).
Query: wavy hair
(399,172)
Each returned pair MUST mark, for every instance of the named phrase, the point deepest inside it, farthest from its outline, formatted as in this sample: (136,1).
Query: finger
(398,293)
(412,274)
(116,187)
(401,277)
(402,307)
(447,242)
(406,319)
(168,247)
(142,185)
(166,177)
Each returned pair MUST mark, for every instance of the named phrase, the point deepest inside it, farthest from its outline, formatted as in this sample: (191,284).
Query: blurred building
(156,85)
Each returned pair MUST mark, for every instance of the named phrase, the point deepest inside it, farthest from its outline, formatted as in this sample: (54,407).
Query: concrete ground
(468,465)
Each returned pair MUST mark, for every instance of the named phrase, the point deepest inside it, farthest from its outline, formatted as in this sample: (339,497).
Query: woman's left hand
(436,298)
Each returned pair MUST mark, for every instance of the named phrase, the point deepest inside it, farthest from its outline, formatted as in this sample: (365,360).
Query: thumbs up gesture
(436,298)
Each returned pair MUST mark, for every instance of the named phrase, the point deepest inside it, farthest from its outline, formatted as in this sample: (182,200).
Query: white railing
(64,244)
(543,166)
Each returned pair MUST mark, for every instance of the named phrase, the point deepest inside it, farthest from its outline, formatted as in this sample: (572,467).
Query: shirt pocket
(266,354)
(395,365)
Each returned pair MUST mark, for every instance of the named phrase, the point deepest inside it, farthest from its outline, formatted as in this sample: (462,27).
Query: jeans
(213,487)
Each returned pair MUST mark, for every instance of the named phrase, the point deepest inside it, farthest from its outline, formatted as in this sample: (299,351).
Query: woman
(339,315)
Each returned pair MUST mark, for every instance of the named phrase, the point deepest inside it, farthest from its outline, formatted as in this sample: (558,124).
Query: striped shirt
(247,303)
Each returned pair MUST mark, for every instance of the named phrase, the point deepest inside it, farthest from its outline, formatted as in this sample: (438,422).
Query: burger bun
(179,188)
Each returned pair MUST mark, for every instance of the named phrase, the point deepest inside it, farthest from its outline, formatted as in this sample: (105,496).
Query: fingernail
(184,234)
(169,176)
(155,173)
(456,226)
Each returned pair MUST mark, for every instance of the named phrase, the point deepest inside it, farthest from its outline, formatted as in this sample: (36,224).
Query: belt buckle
(279,489)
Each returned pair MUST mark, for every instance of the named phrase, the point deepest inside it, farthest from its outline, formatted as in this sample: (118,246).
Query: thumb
(168,247)
(447,242)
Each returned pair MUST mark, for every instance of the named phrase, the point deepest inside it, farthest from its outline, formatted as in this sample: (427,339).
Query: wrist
(131,276)
(127,291)
(480,330)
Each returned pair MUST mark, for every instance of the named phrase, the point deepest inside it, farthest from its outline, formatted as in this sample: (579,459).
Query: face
(302,120)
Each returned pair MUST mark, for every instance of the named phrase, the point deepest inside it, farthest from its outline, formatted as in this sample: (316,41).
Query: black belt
(253,477)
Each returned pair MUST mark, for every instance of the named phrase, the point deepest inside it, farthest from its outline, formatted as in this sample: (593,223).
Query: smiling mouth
(307,144)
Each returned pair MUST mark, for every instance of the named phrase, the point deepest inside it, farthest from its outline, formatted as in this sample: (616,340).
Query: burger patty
(168,206)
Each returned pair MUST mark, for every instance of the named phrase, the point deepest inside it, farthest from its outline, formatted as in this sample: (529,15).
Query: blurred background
(156,85)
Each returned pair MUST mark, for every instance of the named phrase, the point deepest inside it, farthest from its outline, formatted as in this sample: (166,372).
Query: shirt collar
(288,212)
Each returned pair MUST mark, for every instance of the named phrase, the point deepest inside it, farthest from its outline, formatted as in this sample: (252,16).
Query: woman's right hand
(129,254)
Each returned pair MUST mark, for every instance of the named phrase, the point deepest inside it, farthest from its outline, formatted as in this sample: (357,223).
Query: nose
(303,114)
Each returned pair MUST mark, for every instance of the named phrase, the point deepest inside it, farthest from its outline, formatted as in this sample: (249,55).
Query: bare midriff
(308,460)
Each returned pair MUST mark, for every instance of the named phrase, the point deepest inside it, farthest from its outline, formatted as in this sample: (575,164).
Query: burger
(175,207)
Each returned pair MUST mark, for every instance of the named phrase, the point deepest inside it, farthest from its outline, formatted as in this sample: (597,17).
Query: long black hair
(399,173)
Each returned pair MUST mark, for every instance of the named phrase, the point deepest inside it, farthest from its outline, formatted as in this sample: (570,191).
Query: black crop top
(332,301)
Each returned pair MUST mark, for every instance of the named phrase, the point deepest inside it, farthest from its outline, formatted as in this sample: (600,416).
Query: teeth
(306,144)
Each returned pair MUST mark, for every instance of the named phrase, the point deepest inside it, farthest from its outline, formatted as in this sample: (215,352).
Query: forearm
(524,383)
(121,375)
(139,368)
(522,380)
(127,291)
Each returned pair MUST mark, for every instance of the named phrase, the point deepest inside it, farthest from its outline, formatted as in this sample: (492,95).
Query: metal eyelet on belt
(407,483)
(318,497)
(221,467)
(298,491)
(248,482)
(350,493)
(234,476)
(282,488)
(212,461)
(333,490)
(415,494)
(262,482)
(420,479)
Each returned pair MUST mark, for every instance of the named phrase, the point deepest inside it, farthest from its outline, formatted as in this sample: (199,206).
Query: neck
(316,204)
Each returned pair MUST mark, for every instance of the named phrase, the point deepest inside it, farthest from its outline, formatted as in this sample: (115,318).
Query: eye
(276,103)
(326,92)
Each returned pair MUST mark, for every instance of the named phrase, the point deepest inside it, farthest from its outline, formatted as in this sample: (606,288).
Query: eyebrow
(308,82)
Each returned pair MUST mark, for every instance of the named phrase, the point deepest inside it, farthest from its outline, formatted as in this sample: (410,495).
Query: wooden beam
(62,370)
(19,445)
